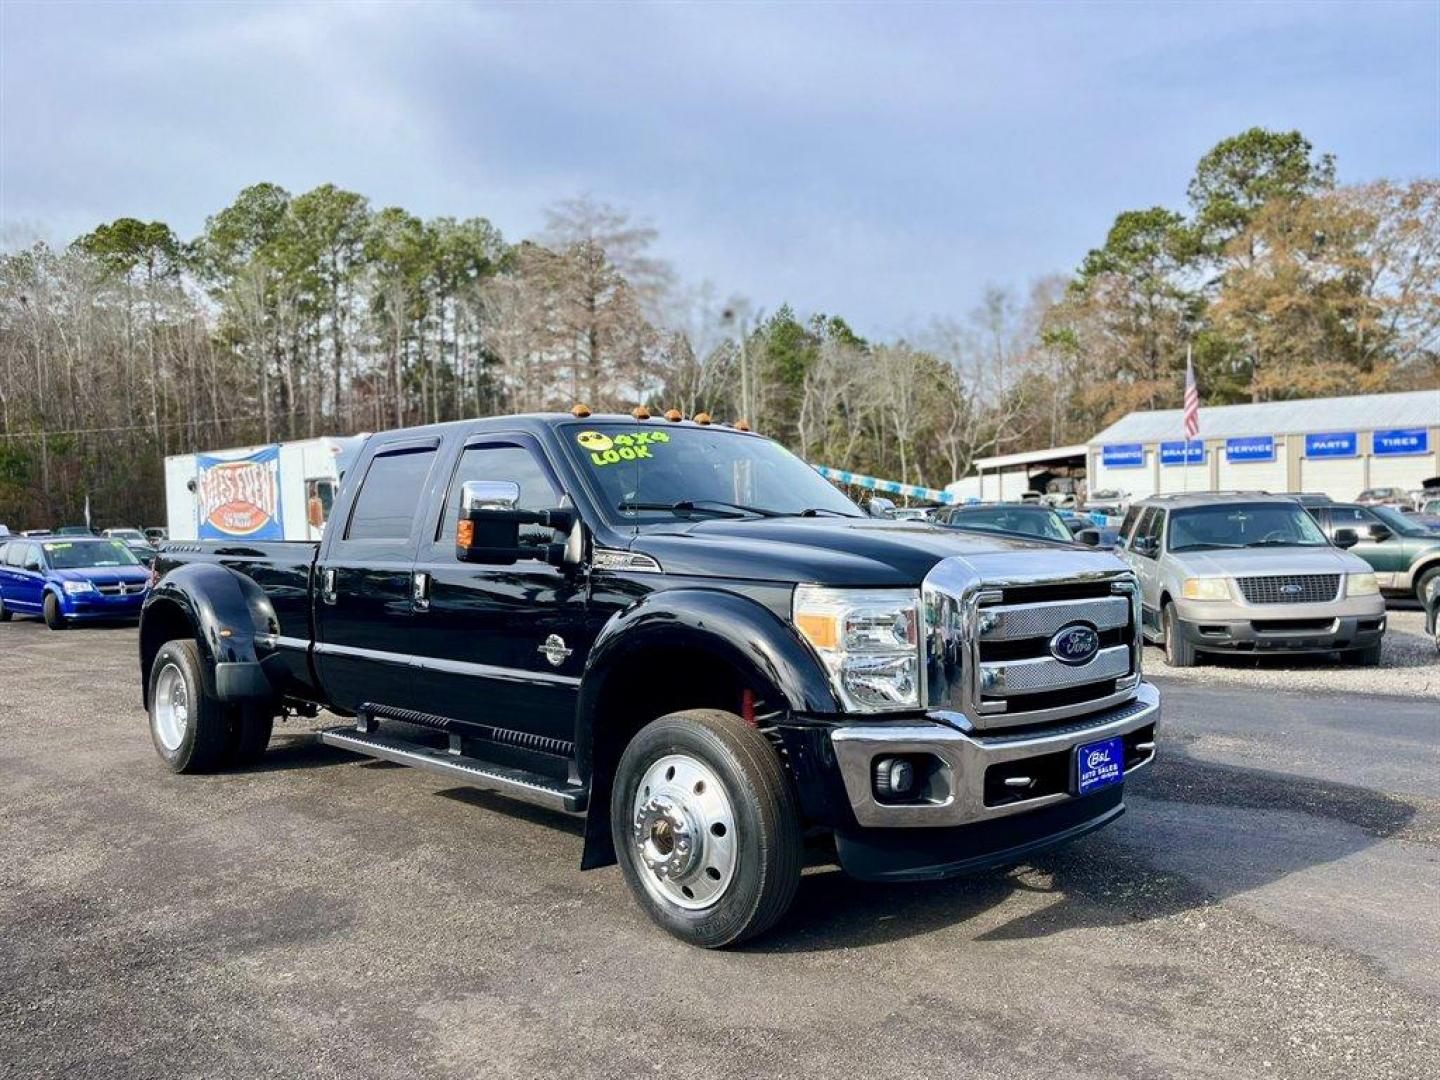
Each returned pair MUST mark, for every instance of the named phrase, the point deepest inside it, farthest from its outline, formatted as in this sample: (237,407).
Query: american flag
(1192,400)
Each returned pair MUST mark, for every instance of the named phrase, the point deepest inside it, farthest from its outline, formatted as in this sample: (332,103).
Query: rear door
(500,647)
(364,584)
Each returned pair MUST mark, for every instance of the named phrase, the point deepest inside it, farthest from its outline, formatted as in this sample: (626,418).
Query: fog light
(894,777)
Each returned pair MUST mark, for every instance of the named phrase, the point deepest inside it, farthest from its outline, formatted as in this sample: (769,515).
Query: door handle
(420,590)
(327,585)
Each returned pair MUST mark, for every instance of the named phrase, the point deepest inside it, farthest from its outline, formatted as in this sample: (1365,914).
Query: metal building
(1335,446)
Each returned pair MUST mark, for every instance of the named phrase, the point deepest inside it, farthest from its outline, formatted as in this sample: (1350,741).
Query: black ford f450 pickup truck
(681,631)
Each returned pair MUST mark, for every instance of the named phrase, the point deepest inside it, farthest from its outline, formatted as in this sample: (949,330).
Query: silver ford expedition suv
(1248,573)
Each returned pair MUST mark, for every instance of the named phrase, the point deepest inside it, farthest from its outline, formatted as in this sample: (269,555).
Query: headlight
(1363,584)
(1206,588)
(868,640)
(74,587)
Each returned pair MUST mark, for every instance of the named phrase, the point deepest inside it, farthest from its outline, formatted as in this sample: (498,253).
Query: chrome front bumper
(966,756)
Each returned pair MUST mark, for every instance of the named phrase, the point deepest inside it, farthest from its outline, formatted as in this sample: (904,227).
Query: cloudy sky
(882,161)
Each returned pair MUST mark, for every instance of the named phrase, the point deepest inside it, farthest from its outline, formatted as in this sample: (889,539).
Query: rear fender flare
(227,613)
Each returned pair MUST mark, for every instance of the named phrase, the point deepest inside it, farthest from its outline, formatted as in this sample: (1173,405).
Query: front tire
(5,613)
(1178,652)
(190,729)
(54,617)
(1430,579)
(706,827)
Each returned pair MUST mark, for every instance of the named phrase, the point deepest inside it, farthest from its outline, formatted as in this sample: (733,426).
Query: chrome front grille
(120,588)
(1290,588)
(988,638)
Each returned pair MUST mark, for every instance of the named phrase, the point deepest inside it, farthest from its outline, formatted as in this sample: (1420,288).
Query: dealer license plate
(1099,764)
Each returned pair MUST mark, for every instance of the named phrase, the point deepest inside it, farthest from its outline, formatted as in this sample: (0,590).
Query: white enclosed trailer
(278,491)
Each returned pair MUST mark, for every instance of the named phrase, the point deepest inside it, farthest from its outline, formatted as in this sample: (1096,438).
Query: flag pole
(1184,432)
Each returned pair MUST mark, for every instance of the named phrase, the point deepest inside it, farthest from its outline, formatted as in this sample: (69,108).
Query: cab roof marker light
(640,412)
(702,418)
(674,416)
(579,410)
(741,425)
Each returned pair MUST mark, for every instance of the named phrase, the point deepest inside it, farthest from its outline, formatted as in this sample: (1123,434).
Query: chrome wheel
(684,832)
(170,707)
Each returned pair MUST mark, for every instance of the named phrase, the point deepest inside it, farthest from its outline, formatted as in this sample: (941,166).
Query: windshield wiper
(1283,543)
(1208,546)
(816,511)
(718,507)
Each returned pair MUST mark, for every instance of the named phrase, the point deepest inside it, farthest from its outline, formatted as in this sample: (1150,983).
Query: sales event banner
(1182,453)
(1122,456)
(1253,448)
(239,497)
(1332,444)
(1401,441)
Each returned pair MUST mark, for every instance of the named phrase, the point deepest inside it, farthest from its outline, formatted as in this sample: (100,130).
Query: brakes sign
(239,496)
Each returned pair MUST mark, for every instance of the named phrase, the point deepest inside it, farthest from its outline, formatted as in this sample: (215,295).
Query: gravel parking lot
(1269,907)
(1409,667)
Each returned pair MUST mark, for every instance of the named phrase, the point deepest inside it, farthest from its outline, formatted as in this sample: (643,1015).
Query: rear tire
(54,617)
(190,729)
(706,827)
(1369,656)
(5,613)
(1178,652)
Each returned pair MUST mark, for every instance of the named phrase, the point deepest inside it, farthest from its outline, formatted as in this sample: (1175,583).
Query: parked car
(1309,498)
(1248,574)
(1017,519)
(1383,496)
(135,540)
(63,579)
(156,535)
(1108,501)
(681,631)
(1430,519)
(73,530)
(913,513)
(1405,554)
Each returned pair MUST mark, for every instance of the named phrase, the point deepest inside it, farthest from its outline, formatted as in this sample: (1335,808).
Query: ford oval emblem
(1075,644)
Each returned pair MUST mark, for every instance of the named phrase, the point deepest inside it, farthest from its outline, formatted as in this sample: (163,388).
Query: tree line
(298,315)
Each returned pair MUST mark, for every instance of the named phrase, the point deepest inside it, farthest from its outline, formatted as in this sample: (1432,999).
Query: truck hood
(835,551)
(1271,560)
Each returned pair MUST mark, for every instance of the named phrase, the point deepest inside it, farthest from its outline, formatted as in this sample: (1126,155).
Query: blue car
(70,578)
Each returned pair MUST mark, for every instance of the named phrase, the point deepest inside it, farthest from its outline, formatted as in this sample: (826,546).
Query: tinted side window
(393,487)
(30,556)
(500,462)
(15,554)
(1347,517)
(1149,527)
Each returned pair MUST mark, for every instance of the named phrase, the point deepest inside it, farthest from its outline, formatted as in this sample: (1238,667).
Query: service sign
(1122,456)
(1251,448)
(1182,453)
(1331,444)
(239,497)
(1402,441)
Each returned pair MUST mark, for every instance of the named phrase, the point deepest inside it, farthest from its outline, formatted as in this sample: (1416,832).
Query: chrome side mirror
(879,507)
(488,495)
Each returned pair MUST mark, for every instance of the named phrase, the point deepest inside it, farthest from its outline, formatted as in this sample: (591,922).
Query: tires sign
(1401,441)
(239,497)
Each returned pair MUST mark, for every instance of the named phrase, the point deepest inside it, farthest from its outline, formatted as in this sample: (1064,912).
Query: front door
(364,586)
(1147,566)
(500,647)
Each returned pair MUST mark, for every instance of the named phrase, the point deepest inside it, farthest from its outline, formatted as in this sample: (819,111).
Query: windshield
(1012,519)
(80,556)
(126,534)
(644,474)
(1244,525)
